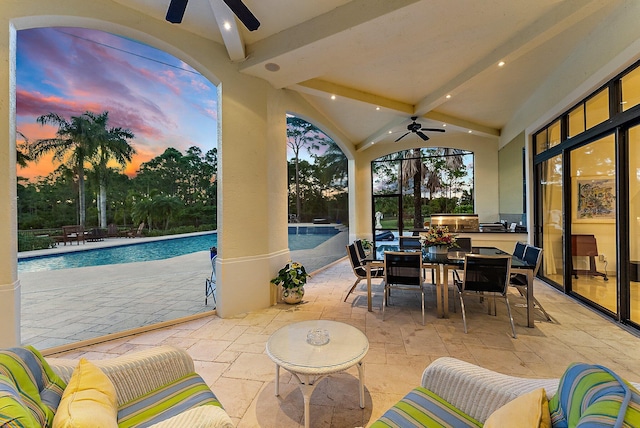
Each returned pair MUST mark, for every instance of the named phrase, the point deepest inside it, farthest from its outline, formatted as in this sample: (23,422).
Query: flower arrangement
(438,235)
(292,275)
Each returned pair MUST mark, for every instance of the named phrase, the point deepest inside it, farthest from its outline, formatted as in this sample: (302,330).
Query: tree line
(172,190)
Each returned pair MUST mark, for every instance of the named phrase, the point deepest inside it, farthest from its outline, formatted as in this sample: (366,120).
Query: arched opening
(318,205)
(168,186)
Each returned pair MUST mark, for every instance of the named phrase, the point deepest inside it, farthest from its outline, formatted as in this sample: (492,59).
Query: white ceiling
(403,56)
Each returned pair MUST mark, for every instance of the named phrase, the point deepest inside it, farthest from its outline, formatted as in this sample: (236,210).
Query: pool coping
(107,243)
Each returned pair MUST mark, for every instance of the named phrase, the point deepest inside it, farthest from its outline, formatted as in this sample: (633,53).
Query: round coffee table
(289,348)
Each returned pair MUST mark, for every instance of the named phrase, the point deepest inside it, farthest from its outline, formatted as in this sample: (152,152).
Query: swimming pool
(154,250)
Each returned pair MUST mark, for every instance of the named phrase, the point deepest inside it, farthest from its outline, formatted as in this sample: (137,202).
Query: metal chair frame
(403,271)
(210,283)
(532,255)
(360,269)
(486,274)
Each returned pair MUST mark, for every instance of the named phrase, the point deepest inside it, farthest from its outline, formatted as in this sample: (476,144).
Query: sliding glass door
(593,222)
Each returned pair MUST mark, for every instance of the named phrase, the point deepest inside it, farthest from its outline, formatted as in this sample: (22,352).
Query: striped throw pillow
(593,396)
(39,389)
(422,408)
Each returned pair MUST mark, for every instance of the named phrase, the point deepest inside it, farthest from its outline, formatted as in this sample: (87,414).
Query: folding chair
(210,283)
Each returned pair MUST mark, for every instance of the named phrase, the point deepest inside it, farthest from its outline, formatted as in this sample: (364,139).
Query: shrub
(29,242)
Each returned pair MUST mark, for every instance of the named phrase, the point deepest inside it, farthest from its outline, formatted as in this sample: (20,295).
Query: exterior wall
(511,175)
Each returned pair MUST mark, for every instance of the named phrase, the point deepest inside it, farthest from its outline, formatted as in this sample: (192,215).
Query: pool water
(147,251)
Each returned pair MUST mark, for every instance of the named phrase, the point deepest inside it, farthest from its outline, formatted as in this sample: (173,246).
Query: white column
(9,284)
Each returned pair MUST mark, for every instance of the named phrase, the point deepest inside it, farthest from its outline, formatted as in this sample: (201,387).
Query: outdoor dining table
(451,260)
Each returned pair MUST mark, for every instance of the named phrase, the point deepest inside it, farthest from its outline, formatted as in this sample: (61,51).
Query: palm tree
(412,168)
(72,146)
(85,138)
(110,144)
(21,156)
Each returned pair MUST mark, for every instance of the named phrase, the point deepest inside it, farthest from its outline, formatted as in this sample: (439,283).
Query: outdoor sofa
(153,388)
(455,393)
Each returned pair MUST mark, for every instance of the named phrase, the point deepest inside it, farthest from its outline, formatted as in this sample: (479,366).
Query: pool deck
(60,307)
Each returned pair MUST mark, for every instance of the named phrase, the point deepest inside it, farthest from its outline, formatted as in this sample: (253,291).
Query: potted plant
(438,239)
(292,277)
(367,245)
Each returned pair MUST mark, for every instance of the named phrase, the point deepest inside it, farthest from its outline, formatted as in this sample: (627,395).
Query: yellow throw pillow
(89,400)
(528,410)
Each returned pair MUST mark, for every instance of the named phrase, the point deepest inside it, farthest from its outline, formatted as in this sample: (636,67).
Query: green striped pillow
(591,395)
(13,412)
(423,408)
(25,373)
(165,402)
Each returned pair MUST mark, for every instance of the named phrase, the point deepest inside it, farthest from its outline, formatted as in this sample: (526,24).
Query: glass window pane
(385,176)
(593,222)
(552,232)
(576,121)
(385,211)
(554,134)
(631,89)
(541,142)
(597,108)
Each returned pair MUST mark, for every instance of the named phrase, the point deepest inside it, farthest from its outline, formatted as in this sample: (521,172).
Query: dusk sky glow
(68,71)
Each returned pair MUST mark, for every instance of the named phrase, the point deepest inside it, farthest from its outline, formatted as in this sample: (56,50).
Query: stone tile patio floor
(64,306)
(230,353)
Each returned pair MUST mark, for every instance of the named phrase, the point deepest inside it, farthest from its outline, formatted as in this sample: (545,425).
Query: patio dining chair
(532,255)
(483,275)
(403,271)
(360,249)
(210,283)
(360,268)
(519,249)
(464,244)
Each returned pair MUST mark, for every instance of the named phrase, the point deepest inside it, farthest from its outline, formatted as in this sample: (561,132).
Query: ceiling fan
(417,129)
(177,8)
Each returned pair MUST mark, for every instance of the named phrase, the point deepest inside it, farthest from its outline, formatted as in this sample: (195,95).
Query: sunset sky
(68,71)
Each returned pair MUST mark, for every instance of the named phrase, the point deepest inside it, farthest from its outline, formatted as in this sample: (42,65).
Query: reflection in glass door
(593,223)
(551,194)
(634,222)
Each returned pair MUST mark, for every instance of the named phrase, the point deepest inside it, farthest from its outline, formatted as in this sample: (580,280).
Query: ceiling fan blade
(402,136)
(421,135)
(244,14)
(433,129)
(176,11)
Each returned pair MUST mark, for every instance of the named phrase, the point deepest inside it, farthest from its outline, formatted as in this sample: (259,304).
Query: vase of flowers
(438,239)
(292,277)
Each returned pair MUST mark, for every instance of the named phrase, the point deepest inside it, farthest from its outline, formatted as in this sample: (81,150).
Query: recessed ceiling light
(470,131)
(227,25)
(448,96)
(333,97)
(390,132)
(501,64)
(378,108)
(444,124)
(272,66)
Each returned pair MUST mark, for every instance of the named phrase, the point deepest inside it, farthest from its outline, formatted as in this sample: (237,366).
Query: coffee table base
(308,383)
